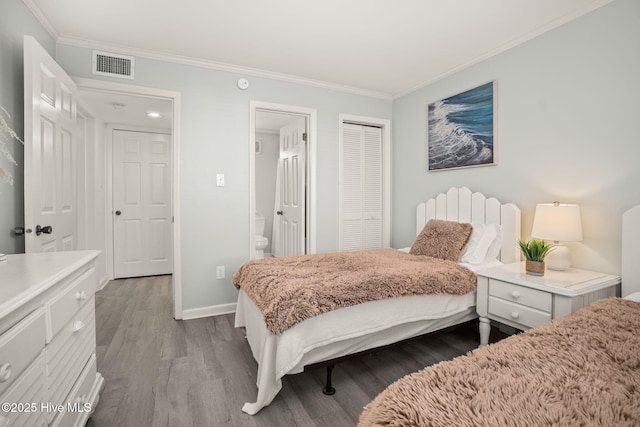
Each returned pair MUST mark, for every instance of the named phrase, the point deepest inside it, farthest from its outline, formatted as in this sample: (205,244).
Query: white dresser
(48,370)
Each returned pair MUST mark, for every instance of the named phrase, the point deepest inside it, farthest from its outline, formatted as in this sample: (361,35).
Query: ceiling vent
(112,65)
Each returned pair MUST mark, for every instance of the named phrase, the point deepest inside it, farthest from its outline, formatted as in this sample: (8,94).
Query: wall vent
(112,65)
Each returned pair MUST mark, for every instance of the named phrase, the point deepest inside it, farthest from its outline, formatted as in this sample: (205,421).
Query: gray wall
(215,139)
(567,130)
(15,21)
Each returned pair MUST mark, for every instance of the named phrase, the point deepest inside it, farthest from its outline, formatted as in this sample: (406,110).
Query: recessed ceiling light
(154,114)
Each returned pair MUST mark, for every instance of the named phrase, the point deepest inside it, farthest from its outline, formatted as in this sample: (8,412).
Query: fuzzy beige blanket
(289,290)
(581,370)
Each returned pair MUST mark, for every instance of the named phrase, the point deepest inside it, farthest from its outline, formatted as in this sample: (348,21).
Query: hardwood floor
(163,372)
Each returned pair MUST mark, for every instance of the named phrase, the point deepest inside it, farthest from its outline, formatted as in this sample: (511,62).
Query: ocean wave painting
(461,129)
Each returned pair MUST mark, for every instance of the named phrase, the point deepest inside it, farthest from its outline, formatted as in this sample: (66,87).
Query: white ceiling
(128,109)
(382,48)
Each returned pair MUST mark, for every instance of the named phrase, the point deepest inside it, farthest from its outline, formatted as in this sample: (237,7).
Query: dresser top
(23,277)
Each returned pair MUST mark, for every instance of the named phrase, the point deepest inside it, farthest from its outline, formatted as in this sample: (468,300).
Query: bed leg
(328,389)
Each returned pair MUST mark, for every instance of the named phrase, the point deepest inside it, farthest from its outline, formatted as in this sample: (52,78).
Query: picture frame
(462,130)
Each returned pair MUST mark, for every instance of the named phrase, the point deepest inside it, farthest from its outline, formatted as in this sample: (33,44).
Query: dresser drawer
(69,352)
(516,314)
(70,299)
(521,295)
(79,404)
(28,391)
(19,346)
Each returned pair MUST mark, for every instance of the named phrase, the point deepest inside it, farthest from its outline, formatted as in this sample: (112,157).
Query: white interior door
(293,188)
(49,153)
(142,216)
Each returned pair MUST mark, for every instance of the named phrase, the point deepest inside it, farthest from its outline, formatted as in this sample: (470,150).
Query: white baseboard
(103,282)
(212,310)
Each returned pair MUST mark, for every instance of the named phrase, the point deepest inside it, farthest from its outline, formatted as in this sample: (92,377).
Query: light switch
(220,272)
(220,180)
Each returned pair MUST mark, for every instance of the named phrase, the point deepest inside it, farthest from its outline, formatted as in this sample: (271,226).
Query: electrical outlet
(220,180)
(220,272)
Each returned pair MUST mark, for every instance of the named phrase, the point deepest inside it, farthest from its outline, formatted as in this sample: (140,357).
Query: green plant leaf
(534,249)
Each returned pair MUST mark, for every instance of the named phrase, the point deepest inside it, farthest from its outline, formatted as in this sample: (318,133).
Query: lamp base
(558,258)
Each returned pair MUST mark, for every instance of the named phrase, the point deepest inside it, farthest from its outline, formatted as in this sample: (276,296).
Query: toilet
(261,241)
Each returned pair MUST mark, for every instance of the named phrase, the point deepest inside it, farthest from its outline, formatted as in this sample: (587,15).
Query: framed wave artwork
(462,130)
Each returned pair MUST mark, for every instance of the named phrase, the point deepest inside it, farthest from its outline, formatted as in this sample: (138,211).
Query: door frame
(84,180)
(174,97)
(312,117)
(386,171)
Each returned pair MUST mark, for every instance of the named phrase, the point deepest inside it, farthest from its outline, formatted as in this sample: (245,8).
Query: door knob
(47,229)
(118,213)
(279,212)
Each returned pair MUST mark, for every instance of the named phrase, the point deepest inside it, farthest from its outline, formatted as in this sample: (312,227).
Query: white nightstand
(508,295)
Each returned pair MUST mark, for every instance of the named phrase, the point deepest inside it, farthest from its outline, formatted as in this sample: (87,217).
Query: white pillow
(483,245)
(496,245)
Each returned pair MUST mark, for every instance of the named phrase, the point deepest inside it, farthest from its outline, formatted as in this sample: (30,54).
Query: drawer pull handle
(77,325)
(81,296)
(515,314)
(5,372)
(515,295)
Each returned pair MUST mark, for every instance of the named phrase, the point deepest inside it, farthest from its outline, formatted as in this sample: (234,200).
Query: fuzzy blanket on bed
(289,290)
(581,370)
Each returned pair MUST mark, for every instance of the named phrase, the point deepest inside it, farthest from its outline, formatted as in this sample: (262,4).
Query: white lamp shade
(557,222)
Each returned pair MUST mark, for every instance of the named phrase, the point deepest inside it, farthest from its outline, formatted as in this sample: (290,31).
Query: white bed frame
(457,204)
(631,251)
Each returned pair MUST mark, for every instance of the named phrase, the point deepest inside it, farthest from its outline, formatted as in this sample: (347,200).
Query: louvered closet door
(361,188)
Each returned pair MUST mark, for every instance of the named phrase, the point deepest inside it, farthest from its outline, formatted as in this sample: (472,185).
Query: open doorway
(137,132)
(282,176)
(125,119)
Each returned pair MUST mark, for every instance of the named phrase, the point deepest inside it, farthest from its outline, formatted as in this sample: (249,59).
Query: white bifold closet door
(361,213)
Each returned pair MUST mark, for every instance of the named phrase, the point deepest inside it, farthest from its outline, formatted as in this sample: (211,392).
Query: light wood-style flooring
(163,372)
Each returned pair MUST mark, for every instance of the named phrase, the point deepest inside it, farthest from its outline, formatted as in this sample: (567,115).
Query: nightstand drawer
(521,295)
(517,314)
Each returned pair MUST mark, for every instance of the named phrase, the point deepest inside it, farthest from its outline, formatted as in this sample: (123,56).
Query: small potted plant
(534,251)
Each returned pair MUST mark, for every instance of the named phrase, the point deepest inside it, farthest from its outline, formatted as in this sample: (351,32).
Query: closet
(361,187)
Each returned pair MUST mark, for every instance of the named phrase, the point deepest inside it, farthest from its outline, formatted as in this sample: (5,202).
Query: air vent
(112,65)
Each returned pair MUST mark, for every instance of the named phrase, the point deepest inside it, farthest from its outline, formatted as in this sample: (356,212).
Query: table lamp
(558,223)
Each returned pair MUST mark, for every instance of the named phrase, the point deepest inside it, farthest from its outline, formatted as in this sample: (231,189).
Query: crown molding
(37,13)
(220,66)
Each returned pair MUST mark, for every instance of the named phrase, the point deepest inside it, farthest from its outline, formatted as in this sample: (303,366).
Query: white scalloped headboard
(461,205)
(630,251)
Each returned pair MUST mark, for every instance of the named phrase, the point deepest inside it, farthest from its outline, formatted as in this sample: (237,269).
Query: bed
(582,369)
(368,325)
